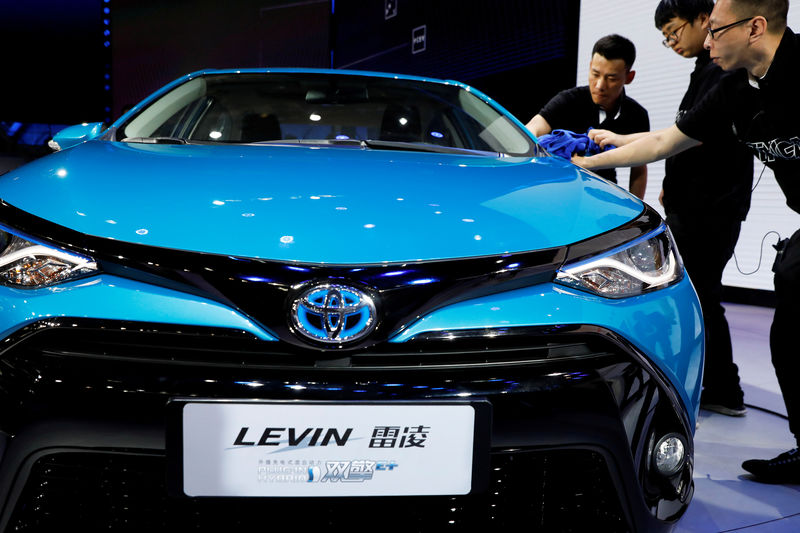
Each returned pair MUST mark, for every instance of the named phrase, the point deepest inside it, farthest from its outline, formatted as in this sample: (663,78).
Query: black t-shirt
(764,115)
(715,178)
(574,110)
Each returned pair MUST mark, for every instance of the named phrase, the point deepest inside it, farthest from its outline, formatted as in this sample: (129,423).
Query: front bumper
(575,411)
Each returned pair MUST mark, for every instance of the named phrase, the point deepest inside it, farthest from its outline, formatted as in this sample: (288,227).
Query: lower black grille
(553,491)
(166,344)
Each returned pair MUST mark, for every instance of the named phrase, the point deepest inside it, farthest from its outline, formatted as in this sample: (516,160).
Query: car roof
(340,72)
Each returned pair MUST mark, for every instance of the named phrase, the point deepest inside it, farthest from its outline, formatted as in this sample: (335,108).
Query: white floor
(726,499)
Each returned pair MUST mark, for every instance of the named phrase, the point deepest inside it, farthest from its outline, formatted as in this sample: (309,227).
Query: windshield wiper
(316,142)
(423,147)
(385,145)
(155,140)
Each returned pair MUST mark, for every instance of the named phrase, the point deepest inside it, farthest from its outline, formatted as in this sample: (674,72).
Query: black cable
(760,256)
(761,253)
(759,178)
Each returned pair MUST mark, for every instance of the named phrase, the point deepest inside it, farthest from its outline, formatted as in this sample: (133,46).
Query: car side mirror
(72,135)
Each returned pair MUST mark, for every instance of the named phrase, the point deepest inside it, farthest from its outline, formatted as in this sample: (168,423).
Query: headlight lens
(28,264)
(648,263)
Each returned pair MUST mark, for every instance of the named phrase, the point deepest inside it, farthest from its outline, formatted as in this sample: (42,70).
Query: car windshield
(386,113)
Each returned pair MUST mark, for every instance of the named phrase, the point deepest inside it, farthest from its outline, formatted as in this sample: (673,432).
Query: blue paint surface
(339,205)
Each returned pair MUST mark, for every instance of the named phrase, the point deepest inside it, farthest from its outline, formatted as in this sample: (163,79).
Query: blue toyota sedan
(336,299)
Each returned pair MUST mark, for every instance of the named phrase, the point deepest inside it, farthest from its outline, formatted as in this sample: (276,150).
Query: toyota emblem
(333,313)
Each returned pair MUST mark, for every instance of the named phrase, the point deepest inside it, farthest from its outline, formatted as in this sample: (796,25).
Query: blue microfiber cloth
(564,143)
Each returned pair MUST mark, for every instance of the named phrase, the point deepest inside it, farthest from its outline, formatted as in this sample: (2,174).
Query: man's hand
(605,137)
(648,147)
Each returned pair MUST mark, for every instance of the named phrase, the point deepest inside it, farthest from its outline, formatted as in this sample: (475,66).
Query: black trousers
(785,329)
(706,245)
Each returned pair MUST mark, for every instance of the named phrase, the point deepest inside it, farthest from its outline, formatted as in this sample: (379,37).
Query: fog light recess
(669,454)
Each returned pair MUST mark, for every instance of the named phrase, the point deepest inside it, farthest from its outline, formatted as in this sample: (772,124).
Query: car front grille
(164,344)
(545,490)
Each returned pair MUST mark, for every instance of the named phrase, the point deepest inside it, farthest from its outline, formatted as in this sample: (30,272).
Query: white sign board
(301,449)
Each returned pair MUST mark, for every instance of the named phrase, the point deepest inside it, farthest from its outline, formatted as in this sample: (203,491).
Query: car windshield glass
(253,108)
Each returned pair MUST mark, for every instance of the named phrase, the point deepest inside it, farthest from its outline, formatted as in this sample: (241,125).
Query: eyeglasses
(713,33)
(673,37)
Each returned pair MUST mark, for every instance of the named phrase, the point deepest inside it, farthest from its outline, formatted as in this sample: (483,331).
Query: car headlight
(648,263)
(28,264)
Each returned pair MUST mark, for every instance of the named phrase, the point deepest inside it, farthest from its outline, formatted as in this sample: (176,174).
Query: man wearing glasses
(704,187)
(602,103)
(759,104)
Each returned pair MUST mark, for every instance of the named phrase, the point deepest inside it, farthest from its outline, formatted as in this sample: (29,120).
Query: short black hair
(616,47)
(688,10)
(775,11)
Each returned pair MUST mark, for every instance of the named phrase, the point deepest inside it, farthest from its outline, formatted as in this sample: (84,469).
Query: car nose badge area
(333,313)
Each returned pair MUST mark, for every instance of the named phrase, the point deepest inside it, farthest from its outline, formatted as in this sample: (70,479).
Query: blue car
(338,299)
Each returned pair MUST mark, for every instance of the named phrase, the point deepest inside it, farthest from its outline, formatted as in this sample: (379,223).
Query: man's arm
(539,126)
(653,147)
(638,181)
(605,137)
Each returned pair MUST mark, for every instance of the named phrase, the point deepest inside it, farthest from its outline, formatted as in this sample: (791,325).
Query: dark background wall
(55,62)
(86,60)
(157,41)
(520,52)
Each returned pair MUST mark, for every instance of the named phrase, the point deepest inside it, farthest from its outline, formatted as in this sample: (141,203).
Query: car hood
(339,205)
